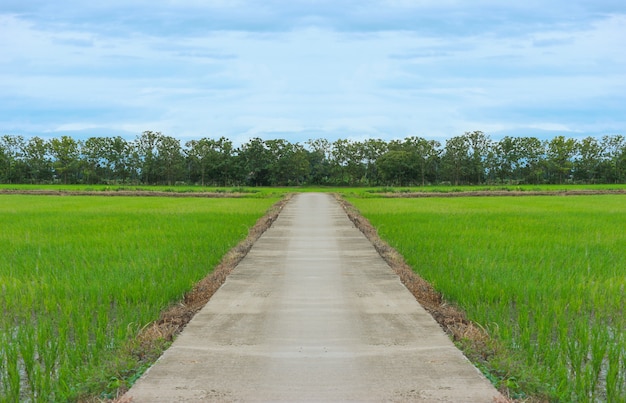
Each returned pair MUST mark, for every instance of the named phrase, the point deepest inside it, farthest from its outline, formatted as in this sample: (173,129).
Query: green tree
(289,164)
(479,146)
(614,169)
(456,159)
(146,157)
(508,156)
(532,159)
(347,162)
(38,160)
(255,160)
(65,154)
(560,155)
(590,158)
(395,167)
(169,160)
(211,161)
(118,154)
(425,156)
(11,159)
(95,159)
(319,161)
(371,150)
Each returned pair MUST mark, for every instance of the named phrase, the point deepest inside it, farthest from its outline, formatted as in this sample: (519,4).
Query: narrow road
(312,313)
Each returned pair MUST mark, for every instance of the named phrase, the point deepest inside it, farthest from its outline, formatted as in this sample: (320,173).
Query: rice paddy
(80,276)
(545,276)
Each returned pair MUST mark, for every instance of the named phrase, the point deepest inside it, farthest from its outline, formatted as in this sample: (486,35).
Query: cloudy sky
(301,69)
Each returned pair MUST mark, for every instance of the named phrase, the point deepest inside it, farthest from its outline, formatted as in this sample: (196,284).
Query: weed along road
(312,313)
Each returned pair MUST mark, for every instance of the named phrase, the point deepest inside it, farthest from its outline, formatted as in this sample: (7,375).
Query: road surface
(312,313)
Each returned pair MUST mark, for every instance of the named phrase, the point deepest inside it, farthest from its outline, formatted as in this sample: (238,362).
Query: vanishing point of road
(312,313)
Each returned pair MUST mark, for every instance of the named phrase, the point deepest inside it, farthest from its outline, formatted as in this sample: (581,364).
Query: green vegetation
(263,192)
(80,276)
(468,159)
(240,191)
(543,275)
(491,188)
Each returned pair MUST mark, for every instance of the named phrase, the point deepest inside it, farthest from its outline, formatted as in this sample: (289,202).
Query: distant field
(545,275)
(80,276)
(240,191)
(278,191)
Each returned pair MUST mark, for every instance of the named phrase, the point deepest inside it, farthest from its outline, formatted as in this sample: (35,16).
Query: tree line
(154,158)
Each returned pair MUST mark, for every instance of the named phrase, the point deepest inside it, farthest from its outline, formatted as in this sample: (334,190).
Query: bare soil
(142,193)
(500,193)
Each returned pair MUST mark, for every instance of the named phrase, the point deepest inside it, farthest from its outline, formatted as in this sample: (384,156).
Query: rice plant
(80,276)
(544,275)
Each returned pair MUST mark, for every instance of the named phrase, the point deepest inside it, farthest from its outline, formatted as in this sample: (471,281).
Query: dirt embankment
(500,193)
(142,193)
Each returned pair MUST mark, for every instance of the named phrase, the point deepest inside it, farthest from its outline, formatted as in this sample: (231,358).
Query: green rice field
(545,276)
(81,275)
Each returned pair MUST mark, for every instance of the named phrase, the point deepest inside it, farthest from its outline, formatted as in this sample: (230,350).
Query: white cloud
(375,67)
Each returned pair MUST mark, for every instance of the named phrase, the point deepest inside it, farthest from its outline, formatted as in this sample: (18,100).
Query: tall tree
(65,153)
(532,159)
(396,167)
(372,149)
(212,161)
(118,153)
(425,157)
(456,159)
(615,155)
(478,147)
(146,156)
(11,158)
(508,157)
(169,159)
(347,161)
(255,160)
(95,157)
(560,155)
(319,161)
(38,160)
(590,157)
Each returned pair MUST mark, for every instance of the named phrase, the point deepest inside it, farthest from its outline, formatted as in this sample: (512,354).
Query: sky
(306,69)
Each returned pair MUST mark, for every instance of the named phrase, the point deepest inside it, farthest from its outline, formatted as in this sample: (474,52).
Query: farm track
(312,313)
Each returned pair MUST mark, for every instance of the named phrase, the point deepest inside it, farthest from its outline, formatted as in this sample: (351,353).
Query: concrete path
(312,314)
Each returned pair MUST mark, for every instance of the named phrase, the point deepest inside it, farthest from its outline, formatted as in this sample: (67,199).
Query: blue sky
(304,69)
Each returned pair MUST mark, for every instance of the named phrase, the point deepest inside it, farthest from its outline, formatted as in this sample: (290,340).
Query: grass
(543,275)
(375,192)
(80,277)
(240,191)
(280,191)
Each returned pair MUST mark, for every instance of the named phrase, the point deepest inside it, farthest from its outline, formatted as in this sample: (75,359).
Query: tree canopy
(470,158)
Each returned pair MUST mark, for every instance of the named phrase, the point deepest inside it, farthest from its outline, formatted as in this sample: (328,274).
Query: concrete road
(312,314)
